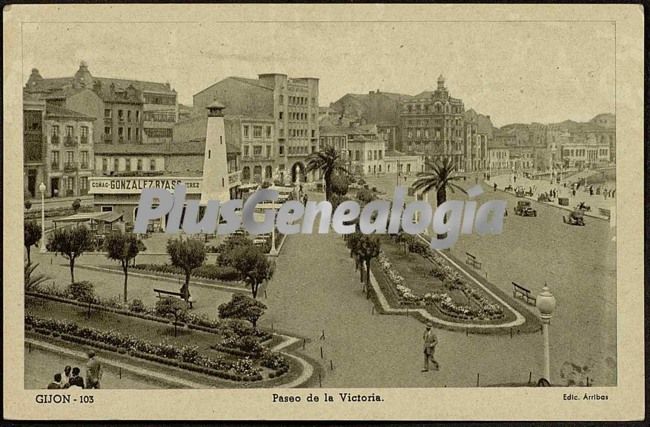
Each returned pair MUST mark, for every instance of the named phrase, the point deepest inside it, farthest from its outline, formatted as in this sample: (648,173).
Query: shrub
(137,306)
(242,307)
(274,361)
(81,291)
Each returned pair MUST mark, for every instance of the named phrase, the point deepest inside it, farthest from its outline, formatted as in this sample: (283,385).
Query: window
(84,160)
(84,133)
(128,115)
(139,164)
(120,115)
(257,131)
(83,185)
(152,164)
(108,114)
(137,134)
(281,149)
(55,159)
(245,131)
(70,183)
(55,130)
(268,131)
(281,133)
(104,164)
(257,150)
(246,150)
(69,130)
(107,130)
(281,99)
(268,151)
(280,115)
(137,116)
(128,133)
(127,164)
(116,165)
(120,132)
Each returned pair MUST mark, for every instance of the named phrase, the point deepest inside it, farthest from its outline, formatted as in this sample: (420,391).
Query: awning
(106,217)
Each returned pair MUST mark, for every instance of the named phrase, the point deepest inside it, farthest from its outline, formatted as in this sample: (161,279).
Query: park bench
(472,261)
(605,212)
(163,294)
(524,293)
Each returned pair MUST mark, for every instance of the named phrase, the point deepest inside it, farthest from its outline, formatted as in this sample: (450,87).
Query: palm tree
(33,282)
(329,162)
(440,177)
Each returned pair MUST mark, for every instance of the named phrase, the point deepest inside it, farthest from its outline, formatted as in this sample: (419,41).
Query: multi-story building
(431,124)
(34,154)
(209,168)
(366,150)
(522,158)
(291,103)
(153,106)
(498,157)
(581,153)
(69,150)
(475,147)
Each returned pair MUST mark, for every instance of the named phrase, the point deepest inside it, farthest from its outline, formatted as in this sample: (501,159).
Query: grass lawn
(416,271)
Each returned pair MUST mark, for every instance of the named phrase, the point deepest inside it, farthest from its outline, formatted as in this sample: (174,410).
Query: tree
(242,307)
(253,266)
(340,184)
(328,161)
(226,249)
(406,240)
(33,281)
(365,195)
(83,291)
(368,247)
(186,254)
(71,243)
(76,205)
(172,308)
(122,247)
(33,234)
(439,177)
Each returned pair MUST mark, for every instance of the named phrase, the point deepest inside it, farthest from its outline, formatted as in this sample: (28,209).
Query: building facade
(149,109)
(292,106)
(34,153)
(431,124)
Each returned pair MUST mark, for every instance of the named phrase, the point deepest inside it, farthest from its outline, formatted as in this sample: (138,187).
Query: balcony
(55,166)
(107,138)
(69,167)
(69,141)
(84,166)
(84,139)
(55,139)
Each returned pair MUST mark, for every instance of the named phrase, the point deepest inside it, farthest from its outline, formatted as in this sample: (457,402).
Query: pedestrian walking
(495,186)
(430,342)
(93,371)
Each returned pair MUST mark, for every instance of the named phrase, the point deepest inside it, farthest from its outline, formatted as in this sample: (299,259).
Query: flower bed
(223,328)
(183,357)
(479,307)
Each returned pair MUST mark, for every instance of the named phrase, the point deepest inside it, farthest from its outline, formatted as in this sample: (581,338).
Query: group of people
(71,377)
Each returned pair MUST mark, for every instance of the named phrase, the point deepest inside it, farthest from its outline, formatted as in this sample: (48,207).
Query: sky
(516,72)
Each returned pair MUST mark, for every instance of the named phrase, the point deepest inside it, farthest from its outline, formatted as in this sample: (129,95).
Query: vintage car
(577,217)
(520,192)
(524,208)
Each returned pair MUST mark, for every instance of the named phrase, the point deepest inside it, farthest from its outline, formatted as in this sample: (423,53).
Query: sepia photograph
(326,204)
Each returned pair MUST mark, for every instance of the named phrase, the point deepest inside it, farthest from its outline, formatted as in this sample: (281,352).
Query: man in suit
(430,342)
(93,371)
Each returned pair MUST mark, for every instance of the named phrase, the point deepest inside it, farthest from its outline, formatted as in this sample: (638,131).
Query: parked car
(577,217)
(524,208)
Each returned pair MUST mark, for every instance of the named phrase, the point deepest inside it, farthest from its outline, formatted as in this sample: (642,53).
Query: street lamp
(545,303)
(42,189)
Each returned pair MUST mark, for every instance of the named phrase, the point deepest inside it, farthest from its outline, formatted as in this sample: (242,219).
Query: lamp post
(274,250)
(42,189)
(545,303)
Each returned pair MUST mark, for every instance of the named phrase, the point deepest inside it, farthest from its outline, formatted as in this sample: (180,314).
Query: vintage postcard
(294,212)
